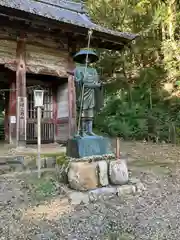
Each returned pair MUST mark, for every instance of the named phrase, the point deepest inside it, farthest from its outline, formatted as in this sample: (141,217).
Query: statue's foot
(84,134)
(77,135)
(91,134)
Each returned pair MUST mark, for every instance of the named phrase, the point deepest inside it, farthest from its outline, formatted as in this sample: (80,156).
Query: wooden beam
(71,98)
(12,28)
(58,30)
(21,93)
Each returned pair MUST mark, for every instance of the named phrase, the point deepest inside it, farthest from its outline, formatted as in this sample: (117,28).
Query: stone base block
(80,147)
(118,172)
(103,173)
(76,198)
(102,194)
(126,190)
(83,176)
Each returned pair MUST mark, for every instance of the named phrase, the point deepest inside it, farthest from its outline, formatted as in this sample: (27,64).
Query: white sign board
(62,101)
(13,119)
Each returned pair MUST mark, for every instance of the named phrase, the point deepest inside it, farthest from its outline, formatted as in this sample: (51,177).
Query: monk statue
(88,91)
(89,97)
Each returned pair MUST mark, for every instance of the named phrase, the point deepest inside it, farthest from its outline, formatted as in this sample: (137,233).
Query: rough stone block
(103,173)
(140,187)
(49,162)
(80,147)
(15,160)
(138,184)
(118,172)
(103,193)
(83,176)
(76,198)
(126,190)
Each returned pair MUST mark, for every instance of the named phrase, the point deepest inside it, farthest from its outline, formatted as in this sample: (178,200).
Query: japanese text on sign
(21,108)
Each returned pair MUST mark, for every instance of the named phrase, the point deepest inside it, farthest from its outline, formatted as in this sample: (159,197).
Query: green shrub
(138,121)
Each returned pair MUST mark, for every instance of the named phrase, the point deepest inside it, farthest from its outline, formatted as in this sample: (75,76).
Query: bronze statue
(88,87)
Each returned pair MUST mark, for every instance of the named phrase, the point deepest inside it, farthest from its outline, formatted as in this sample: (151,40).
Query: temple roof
(66,12)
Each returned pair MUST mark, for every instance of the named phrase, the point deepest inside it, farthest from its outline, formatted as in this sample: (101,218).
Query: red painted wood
(74,127)
(70,104)
(55,110)
(62,120)
(11,129)
(6,122)
(12,97)
(21,92)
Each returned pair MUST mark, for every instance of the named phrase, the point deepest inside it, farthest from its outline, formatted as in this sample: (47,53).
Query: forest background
(141,93)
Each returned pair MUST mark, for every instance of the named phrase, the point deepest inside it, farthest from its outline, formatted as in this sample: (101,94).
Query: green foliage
(61,159)
(137,105)
(160,122)
(43,188)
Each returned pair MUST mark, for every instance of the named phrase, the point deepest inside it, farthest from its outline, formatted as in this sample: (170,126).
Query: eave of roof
(67,12)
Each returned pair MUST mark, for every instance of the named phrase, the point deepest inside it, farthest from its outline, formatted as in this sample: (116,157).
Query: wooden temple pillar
(21,104)
(71,106)
(71,96)
(55,112)
(11,130)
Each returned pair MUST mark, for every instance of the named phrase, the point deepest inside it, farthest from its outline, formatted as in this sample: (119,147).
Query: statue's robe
(90,79)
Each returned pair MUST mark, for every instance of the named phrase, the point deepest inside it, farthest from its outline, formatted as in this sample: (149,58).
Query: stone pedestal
(83,176)
(118,172)
(80,147)
(93,164)
(103,173)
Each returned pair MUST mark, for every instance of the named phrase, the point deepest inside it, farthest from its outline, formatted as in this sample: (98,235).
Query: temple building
(37,41)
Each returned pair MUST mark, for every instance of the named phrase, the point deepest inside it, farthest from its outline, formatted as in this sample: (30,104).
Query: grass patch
(40,189)
(60,158)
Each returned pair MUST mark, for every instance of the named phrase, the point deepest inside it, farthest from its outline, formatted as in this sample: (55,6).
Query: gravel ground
(153,214)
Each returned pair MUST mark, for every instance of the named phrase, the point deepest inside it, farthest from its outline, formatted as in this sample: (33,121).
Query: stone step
(22,163)
(11,160)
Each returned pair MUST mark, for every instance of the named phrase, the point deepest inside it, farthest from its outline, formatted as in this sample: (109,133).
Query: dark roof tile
(63,11)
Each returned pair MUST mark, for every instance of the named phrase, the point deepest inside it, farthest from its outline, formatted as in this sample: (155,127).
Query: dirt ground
(38,209)
(7,149)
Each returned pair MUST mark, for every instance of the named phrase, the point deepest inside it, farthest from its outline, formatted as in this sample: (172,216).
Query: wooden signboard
(22,118)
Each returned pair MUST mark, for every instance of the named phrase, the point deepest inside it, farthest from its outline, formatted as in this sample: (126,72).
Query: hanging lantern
(81,56)
(38,98)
